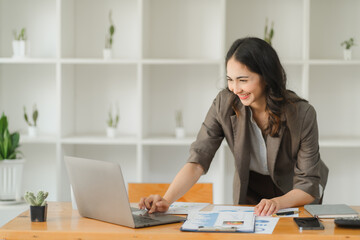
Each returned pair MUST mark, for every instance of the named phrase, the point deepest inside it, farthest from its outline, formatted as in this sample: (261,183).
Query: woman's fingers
(266,207)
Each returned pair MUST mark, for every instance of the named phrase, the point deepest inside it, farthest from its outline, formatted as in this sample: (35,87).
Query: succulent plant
(35,116)
(179,119)
(349,43)
(268,35)
(8,142)
(109,36)
(113,121)
(39,200)
(21,36)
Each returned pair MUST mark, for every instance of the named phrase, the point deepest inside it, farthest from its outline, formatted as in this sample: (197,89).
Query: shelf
(39,19)
(165,61)
(332,62)
(46,139)
(248,18)
(97,61)
(169,140)
(28,60)
(85,25)
(99,139)
(328,29)
(340,142)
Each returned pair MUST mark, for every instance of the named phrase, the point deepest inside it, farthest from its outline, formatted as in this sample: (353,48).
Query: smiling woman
(271,132)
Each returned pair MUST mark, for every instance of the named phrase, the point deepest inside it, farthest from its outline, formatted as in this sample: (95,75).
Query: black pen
(285,213)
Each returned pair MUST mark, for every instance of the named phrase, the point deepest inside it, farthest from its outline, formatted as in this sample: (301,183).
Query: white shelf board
(28,60)
(339,142)
(24,138)
(100,139)
(180,61)
(333,62)
(168,140)
(97,61)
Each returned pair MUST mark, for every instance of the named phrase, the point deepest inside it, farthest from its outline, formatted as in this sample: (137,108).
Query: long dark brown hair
(261,58)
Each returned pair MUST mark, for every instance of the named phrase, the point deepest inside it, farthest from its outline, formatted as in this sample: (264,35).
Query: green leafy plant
(109,35)
(113,121)
(268,35)
(35,115)
(348,43)
(8,142)
(21,36)
(39,200)
(179,119)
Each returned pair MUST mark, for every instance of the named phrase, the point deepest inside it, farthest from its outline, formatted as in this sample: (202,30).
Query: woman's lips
(244,96)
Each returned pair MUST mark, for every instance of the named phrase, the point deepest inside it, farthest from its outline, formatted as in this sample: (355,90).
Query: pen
(285,213)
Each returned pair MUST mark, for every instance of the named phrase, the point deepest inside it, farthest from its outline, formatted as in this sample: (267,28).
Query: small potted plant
(38,205)
(179,130)
(20,44)
(347,50)
(109,39)
(32,127)
(11,167)
(268,35)
(112,123)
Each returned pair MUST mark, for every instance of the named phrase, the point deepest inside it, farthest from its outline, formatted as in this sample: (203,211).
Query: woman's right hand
(154,203)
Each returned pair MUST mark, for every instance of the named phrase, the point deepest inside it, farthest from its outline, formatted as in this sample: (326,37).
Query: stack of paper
(220,222)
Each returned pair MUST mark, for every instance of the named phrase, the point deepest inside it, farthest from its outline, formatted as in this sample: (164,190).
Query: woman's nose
(237,88)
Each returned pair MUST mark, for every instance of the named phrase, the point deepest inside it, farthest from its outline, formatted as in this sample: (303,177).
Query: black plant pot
(38,213)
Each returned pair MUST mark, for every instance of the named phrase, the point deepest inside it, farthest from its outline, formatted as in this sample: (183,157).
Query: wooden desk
(65,223)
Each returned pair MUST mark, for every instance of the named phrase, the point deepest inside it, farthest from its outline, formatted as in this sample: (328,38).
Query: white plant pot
(11,172)
(179,132)
(347,54)
(32,131)
(107,53)
(110,132)
(20,48)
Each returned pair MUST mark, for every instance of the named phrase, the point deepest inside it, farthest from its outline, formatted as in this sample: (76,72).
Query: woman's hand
(267,207)
(154,203)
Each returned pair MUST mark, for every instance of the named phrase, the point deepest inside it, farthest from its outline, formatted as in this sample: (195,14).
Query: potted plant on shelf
(11,167)
(20,44)
(32,127)
(109,39)
(112,123)
(38,205)
(347,50)
(268,35)
(179,130)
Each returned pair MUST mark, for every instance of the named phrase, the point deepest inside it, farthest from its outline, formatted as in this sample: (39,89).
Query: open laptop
(100,193)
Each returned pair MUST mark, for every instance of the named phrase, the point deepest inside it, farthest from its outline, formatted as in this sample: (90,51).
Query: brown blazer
(293,157)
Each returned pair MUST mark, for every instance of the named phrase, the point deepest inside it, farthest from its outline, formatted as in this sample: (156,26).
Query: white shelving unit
(168,55)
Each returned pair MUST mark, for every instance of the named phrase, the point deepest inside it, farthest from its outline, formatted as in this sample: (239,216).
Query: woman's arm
(293,198)
(182,182)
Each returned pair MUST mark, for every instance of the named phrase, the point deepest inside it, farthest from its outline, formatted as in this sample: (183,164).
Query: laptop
(100,193)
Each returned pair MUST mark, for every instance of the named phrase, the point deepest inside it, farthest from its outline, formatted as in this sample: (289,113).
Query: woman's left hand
(267,207)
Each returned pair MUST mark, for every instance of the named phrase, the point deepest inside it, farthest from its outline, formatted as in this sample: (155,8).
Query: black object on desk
(348,222)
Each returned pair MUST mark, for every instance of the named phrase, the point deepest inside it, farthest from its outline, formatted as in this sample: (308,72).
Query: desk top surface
(63,221)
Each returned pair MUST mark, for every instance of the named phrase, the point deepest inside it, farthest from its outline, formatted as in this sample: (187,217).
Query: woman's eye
(229,79)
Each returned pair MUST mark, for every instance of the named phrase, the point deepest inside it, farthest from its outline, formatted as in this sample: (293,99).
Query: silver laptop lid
(109,203)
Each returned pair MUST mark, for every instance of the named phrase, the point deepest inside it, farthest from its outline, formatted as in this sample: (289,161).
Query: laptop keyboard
(140,220)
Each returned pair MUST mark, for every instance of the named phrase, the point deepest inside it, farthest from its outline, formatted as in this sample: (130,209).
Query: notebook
(331,210)
(100,193)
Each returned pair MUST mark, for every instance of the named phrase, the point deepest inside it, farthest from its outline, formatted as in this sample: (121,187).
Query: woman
(271,132)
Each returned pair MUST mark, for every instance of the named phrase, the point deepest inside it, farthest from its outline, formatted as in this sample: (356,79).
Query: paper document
(185,207)
(251,209)
(220,222)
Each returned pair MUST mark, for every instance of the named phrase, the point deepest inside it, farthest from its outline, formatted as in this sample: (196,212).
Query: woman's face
(247,85)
